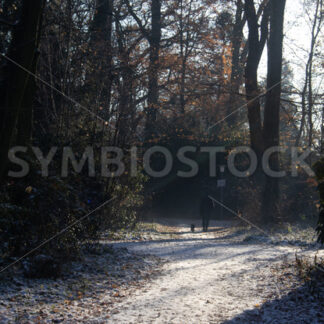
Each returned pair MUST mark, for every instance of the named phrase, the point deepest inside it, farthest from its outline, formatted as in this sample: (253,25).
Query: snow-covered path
(209,278)
(229,275)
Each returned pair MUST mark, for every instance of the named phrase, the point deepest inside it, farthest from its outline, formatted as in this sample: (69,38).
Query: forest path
(208,277)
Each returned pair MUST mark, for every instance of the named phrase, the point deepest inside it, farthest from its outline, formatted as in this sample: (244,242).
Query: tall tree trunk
(153,89)
(303,117)
(23,50)
(255,49)
(316,28)
(236,74)
(154,38)
(322,131)
(25,119)
(125,85)
(272,106)
(237,38)
(307,93)
(99,79)
(183,62)
(310,103)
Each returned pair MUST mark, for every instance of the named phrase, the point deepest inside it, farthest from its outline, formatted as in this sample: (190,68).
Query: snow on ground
(85,292)
(229,275)
(211,278)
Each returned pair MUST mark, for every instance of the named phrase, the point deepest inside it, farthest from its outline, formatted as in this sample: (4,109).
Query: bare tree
(307,94)
(153,36)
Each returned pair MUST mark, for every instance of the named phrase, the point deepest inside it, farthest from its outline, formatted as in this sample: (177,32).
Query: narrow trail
(208,278)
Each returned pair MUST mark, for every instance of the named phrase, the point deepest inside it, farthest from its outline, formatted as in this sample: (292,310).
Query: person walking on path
(206,207)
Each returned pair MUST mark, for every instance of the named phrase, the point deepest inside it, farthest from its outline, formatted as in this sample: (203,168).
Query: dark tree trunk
(237,74)
(303,117)
(272,106)
(183,62)
(237,38)
(255,49)
(154,38)
(25,119)
(153,90)
(322,131)
(23,50)
(125,85)
(263,137)
(99,79)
